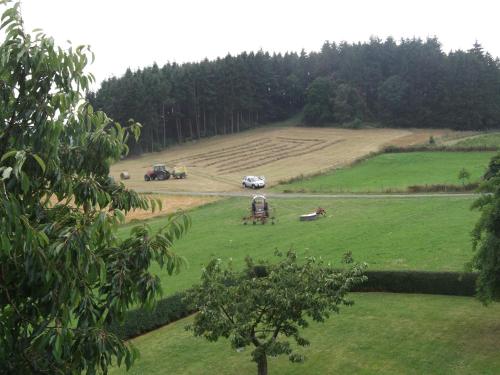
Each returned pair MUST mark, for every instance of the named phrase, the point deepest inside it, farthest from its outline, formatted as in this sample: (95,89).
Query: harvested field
(219,163)
(170,204)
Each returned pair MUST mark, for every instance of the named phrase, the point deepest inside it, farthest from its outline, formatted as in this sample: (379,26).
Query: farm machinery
(313,215)
(259,211)
(160,172)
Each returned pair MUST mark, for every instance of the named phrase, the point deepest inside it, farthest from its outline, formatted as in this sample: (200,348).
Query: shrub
(443,188)
(448,283)
(142,320)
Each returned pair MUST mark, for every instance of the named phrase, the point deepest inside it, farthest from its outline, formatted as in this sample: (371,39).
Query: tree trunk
(204,123)
(179,130)
(164,128)
(262,365)
(190,129)
(215,123)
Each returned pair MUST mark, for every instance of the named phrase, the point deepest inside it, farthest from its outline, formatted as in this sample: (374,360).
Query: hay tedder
(259,211)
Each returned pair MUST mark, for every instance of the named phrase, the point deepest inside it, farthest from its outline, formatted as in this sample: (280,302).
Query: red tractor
(159,172)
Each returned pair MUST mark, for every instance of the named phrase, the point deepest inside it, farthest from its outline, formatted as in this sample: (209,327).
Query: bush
(448,283)
(443,188)
(142,320)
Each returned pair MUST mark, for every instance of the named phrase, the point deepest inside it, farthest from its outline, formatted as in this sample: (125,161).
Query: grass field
(395,172)
(413,233)
(421,334)
(277,152)
(483,140)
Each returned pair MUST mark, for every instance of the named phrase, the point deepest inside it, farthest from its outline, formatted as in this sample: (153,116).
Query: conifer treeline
(412,83)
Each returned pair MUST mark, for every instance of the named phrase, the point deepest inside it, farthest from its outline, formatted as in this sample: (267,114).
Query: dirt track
(218,164)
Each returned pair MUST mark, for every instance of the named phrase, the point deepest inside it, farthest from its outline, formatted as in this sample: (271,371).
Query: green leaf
(6,173)
(40,162)
(7,155)
(25,182)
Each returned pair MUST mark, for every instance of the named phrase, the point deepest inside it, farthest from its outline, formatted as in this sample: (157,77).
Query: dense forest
(410,83)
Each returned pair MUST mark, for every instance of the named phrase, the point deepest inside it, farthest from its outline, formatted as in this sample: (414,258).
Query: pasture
(389,234)
(482,140)
(422,334)
(395,172)
(277,152)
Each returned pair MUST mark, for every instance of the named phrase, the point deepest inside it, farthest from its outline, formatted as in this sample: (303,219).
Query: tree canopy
(269,303)
(486,236)
(64,273)
(410,83)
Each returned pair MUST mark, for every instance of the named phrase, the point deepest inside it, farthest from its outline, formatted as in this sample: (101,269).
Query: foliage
(265,311)
(446,283)
(463,175)
(486,237)
(141,320)
(64,274)
(318,109)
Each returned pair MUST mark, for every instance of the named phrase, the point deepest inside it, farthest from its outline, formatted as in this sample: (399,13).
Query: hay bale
(124,175)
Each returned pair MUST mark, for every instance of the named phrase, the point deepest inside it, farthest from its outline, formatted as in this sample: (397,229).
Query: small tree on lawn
(463,176)
(269,304)
(64,273)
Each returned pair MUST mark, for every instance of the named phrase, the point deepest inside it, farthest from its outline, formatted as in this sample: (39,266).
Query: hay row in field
(269,155)
(222,150)
(261,162)
(299,140)
(247,151)
(257,151)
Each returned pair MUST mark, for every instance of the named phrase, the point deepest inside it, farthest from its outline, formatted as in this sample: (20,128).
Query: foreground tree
(269,304)
(486,237)
(64,274)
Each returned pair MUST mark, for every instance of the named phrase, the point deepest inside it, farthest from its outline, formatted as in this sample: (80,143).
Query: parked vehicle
(159,172)
(254,182)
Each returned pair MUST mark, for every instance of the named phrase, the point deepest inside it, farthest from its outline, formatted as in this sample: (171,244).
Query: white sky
(125,33)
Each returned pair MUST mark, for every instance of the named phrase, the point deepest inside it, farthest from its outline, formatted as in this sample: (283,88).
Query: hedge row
(142,320)
(443,188)
(173,308)
(447,283)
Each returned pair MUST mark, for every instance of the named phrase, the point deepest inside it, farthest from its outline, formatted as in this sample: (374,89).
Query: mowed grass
(380,334)
(397,233)
(395,172)
(483,140)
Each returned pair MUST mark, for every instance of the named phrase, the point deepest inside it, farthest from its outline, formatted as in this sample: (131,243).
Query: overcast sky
(125,33)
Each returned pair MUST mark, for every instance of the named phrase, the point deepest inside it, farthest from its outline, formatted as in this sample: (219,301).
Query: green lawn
(380,334)
(483,140)
(395,172)
(396,233)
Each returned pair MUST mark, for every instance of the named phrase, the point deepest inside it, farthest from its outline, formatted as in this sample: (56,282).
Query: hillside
(278,153)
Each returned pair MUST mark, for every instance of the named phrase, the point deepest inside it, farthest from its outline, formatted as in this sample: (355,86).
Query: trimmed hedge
(142,320)
(448,283)
(443,188)
(172,308)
